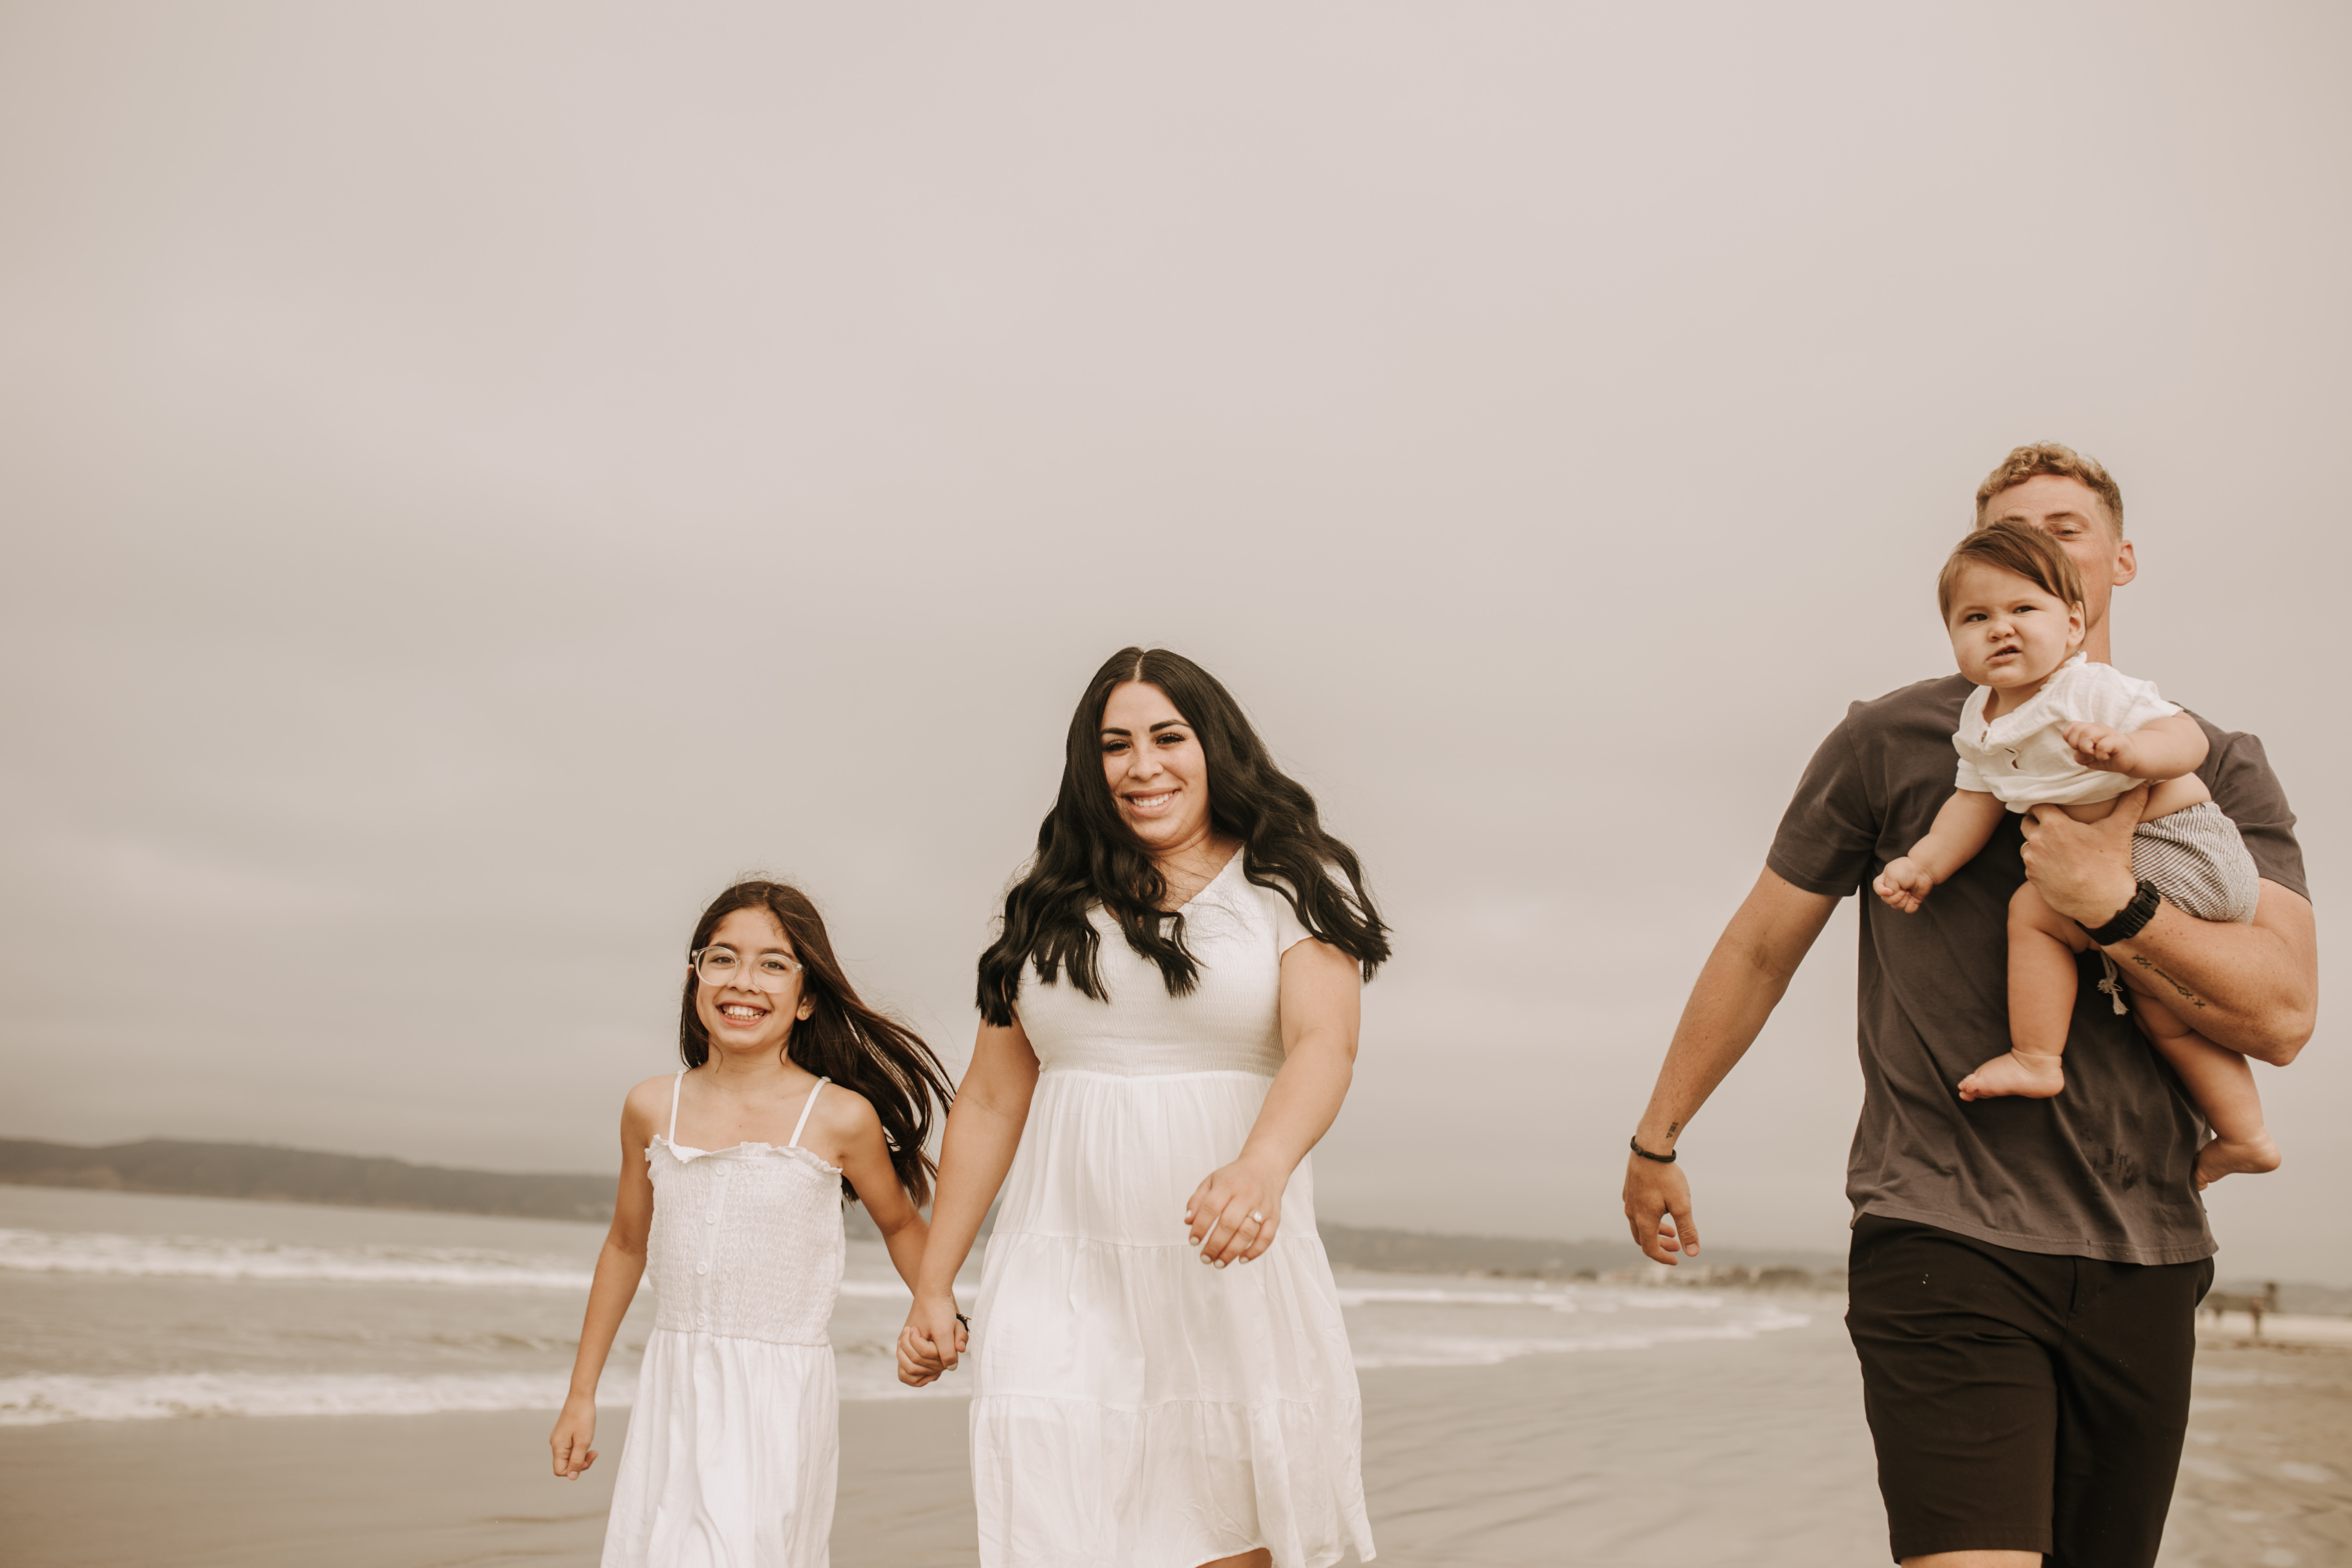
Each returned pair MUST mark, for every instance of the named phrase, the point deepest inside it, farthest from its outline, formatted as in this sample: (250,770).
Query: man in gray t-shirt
(2025,1272)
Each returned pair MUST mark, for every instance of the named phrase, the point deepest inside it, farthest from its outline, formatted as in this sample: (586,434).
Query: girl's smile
(750,953)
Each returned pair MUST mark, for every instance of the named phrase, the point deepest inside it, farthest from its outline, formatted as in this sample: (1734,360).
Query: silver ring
(1257,1216)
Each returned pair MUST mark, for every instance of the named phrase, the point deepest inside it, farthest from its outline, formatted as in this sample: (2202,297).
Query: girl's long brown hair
(842,1038)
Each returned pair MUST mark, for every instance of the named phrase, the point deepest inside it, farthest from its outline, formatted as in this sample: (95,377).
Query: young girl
(2047,727)
(732,1174)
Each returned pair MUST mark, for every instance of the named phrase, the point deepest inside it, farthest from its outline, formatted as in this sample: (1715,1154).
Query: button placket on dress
(714,1195)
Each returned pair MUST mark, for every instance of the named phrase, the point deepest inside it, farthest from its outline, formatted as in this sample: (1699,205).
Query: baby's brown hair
(2013,547)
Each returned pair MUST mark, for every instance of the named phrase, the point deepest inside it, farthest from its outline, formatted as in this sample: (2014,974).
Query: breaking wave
(1375,1349)
(212,1258)
(42,1401)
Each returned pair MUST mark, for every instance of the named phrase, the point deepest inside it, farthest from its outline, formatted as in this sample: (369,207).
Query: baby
(2047,727)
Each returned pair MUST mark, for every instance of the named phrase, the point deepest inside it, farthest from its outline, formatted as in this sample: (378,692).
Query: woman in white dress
(1170,1019)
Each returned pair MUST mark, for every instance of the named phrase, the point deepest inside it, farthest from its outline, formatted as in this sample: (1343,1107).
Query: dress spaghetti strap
(675,1085)
(806,1107)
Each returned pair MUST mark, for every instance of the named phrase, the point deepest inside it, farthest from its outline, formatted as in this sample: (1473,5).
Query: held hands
(575,1429)
(1905,884)
(932,1341)
(2103,747)
(1234,1216)
(1234,1212)
(1658,1207)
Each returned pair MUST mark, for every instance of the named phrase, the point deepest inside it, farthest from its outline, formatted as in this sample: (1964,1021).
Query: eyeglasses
(721,966)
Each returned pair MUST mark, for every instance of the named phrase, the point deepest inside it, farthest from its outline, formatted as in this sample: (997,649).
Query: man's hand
(1905,884)
(1658,1207)
(2083,869)
(2101,746)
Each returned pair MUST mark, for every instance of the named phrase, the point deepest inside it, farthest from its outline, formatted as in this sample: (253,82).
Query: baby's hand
(2101,747)
(1905,884)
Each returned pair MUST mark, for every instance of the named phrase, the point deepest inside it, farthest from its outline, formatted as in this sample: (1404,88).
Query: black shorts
(2020,1401)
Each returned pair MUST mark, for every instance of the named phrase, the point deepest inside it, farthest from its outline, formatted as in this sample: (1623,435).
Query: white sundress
(734,1444)
(1132,1408)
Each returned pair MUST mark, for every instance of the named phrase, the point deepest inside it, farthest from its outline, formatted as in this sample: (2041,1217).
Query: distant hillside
(301,1176)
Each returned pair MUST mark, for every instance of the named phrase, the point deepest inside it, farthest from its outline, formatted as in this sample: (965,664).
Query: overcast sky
(479,476)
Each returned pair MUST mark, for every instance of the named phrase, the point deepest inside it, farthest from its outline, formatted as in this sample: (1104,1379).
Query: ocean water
(126,1306)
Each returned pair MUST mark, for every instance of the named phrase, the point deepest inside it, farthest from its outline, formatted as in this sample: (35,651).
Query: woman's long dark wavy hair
(1086,855)
(842,1038)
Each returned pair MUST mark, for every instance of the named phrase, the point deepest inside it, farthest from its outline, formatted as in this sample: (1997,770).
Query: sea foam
(1375,1349)
(1588,1300)
(213,1257)
(41,1401)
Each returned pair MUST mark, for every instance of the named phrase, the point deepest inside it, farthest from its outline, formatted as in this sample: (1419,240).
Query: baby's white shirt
(2022,757)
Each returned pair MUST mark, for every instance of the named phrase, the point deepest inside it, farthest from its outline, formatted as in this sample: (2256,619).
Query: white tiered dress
(1132,1408)
(735,1443)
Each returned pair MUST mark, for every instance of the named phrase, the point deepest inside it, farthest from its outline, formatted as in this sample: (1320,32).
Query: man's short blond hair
(2050,458)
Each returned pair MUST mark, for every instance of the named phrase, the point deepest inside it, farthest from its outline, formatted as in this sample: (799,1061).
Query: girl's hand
(574,1430)
(1905,884)
(1234,1213)
(931,1342)
(2101,747)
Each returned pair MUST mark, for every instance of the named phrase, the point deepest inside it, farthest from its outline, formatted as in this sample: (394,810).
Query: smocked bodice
(1236,932)
(747,1242)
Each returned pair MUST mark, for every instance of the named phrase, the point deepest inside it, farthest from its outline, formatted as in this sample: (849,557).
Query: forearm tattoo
(2186,994)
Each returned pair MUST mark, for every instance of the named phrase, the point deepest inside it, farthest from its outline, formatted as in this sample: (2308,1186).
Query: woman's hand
(574,1430)
(1234,1212)
(931,1342)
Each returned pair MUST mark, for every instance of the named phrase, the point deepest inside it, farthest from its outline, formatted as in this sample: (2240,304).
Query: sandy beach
(2266,1477)
(1600,1459)
(1542,1459)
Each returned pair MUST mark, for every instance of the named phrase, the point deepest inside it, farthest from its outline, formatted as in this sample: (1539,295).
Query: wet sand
(1751,1450)
(2266,1476)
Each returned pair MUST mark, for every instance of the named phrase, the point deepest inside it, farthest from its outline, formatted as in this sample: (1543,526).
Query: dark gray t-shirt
(2105,1169)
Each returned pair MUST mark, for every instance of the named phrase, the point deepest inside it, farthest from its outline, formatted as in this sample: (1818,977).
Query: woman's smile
(1150,803)
(1154,766)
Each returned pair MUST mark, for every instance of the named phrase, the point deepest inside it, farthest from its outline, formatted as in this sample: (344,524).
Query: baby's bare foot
(2229,1156)
(2026,1077)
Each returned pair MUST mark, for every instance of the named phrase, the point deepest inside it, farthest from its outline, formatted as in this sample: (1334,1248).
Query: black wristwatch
(2129,921)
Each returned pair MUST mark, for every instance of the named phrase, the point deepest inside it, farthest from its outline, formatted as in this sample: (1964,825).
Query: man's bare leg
(1975,1560)
(1261,1558)
(2222,1085)
(2041,947)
